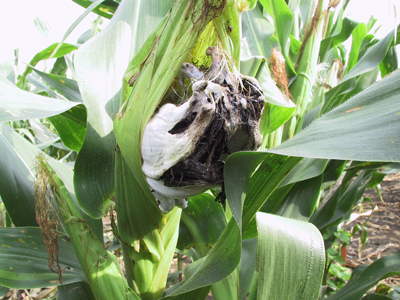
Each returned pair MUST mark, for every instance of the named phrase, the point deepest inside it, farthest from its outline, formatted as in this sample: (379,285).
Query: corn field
(240,134)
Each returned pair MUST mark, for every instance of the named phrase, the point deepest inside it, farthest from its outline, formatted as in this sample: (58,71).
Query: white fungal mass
(183,147)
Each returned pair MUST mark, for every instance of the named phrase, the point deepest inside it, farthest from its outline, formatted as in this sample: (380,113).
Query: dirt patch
(383,226)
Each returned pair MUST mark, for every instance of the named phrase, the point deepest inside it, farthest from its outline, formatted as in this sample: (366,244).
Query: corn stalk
(306,67)
(101,267)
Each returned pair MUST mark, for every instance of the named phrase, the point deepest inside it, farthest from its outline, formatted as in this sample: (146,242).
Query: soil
(383,226)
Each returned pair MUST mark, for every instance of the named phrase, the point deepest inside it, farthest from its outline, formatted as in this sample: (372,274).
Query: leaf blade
(303,252)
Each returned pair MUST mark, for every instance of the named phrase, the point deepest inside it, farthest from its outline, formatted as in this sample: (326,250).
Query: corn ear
(148,236)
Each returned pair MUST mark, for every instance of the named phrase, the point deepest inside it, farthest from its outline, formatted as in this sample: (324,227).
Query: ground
(383,226)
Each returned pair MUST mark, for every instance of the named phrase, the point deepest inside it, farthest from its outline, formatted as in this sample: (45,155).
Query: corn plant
(325,134)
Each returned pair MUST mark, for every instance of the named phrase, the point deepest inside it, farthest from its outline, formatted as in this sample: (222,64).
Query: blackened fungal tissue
(184,147)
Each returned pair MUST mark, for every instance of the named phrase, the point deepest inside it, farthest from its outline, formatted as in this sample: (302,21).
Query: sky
(18,30)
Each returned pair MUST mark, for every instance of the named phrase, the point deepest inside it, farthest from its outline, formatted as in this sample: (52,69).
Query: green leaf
(247,267)
(341,203)
(365,277)
(17,104)
(100,66)
(224,257)
(65,86)
(100,266)
(148,236)
(291,258)
(16,187)
(199,294)
(346,28)
(363,128)
(205,220)
(334,170)
(274,117)
(376,297)
(307,61)
(60,67)
(3,290)
(43,55)
(302,200)
(76,291)
(71,126)
(259,33)
(376,179)
(372,58)
(23,260)
(283,20)
(358,35)
(390,62)
(267,177)
(106,9)
(306,169)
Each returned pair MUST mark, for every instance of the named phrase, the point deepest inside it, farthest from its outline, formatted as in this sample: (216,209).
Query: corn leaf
(100,65)
(71,126)
(268,175)
(259,33)
(17,104)
(346,27)
(100,266)
(105,10)
(306,169)
(205,220)
(228,27)
(291,258)
(376,297)
(16,187)
(65,86)
(341,203)
(43,55)
(358,35)
(146,234)
(217,265)
(247,267)
(199,294)
(23,260)
(76,291)
(224,257)
(372,58)
(302,200)
(390,62)
(365,277)
(283,20)
(364,128)
(3,291)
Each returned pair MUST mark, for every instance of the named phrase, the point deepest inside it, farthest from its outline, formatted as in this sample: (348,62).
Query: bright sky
(19,31)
